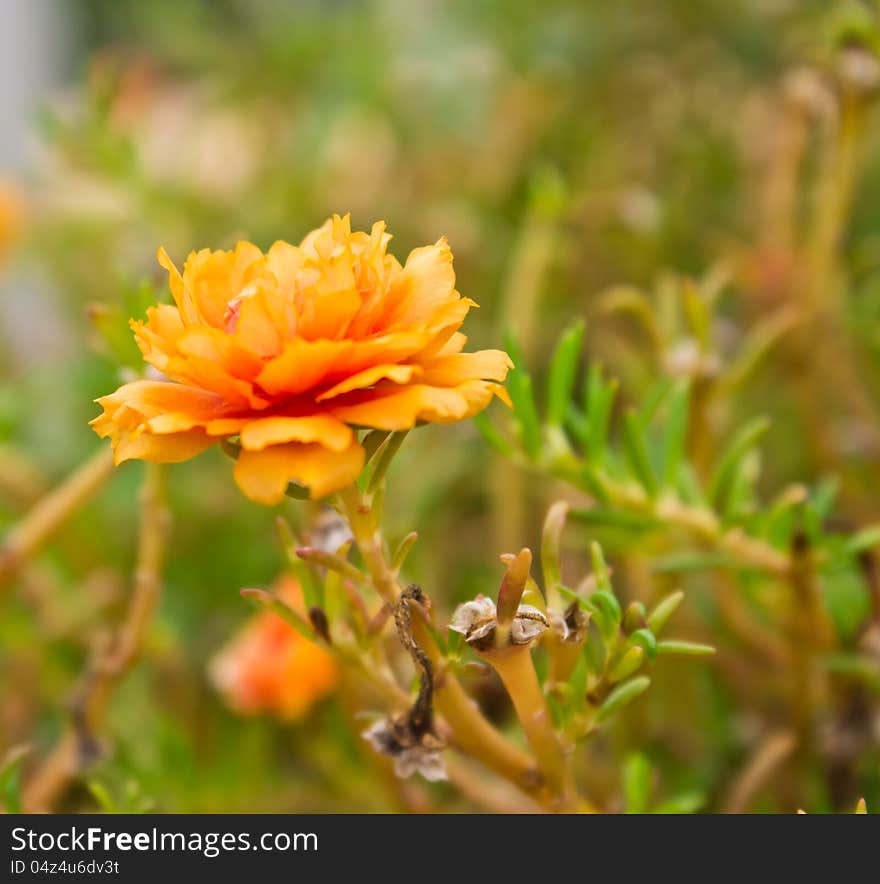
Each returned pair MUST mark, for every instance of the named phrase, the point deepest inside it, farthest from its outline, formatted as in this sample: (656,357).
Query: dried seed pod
(412,752)
(571,625)
(476,620)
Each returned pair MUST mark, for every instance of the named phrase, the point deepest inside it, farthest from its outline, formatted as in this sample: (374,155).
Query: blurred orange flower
(270,667)
(12,213)
(290,350)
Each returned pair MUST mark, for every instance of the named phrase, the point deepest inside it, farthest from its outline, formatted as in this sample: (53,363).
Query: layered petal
(162,422)
(264,475)
(390,408)
(263,432)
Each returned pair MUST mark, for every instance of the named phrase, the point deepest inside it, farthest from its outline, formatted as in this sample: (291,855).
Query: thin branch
(50,513)
(79,745)
(761,766)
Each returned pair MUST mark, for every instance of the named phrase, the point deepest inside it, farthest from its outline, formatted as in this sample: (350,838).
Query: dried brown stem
(766,760)
(110,663)
(50,513)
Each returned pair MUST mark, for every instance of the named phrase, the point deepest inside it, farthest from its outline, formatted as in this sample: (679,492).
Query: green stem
(365,528)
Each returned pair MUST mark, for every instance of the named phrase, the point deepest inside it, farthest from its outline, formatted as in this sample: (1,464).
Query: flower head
(292,350)
(270,667)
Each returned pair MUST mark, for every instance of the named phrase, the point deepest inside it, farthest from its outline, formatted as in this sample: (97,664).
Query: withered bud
(859,70)
(329,531)
(477,622)
(413,750)
(807,91)
(571,625)
(318,619)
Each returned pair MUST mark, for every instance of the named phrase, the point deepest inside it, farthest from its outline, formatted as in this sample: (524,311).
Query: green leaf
(606,612)
(372,442)
(645,639)
(384,456)
(686,802)
(282,609)
(576,423)
(691,649)
(336,599)
(600,569)
(696,311)
(863,540)
(636,452)
(599,403)
(634,617)
(591,481)
(551,544)
(740,494)
(675,436)
(821,502)
(10,779)
(653,399)
(577,681)
(561,377)
(402,551)
(677,563)
(733,455)
(492,434)
(659,617)
(627,665)
(689,485)
(636,783)
(308,580)
(847,599)
(622,696)
(519,385)
(525,412)
(102,795)
(613,518)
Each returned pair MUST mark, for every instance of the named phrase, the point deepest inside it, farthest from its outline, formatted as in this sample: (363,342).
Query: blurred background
(564,147)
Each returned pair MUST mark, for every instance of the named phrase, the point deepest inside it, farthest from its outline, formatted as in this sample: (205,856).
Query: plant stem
(770,754)
(698,521)
(110,663)
(368,536)
(808,635)
(515,667)
(520,297)
(470,730)
(50,513)
(472,733)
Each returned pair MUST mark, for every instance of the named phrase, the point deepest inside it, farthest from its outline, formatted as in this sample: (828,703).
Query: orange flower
(291,350)
(270,667)
(12,214)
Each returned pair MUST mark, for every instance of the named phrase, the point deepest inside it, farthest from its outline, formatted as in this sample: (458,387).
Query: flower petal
(263,432)
(487,365)
(304,365)
(264,475)
(390,408)
(399,374)
(158,421)
(425,284)
(168,448)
